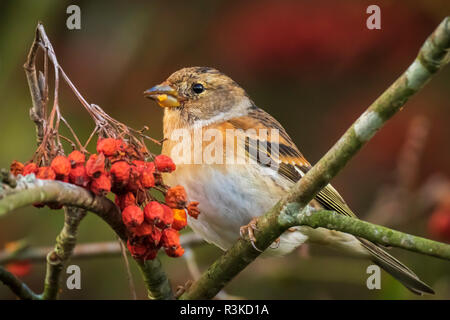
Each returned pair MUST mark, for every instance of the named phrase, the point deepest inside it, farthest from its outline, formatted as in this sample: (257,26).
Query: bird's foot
(249,230)
(182,289)
(275,244)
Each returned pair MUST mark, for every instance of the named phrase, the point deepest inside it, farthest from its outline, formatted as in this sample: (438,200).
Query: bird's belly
(229,198)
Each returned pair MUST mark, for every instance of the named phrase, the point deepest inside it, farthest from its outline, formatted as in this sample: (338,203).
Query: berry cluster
(117,167)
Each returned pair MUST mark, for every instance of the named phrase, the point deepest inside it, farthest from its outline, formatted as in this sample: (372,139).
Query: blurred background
(313,65)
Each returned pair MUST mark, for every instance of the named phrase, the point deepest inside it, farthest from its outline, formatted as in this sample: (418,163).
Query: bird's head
(200,95)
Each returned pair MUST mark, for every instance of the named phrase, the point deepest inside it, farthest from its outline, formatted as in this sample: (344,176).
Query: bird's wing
(292,166)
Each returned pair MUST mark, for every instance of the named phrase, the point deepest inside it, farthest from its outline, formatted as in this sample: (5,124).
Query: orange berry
(167,217)
(153,212)
(145,229)
(46,173)
(164,163)
(120,171)
(76,158)
(101,185)
(61,165)
(179,219)
(147,179)
(137,250)
(107,146)
(30,168)
(155,237)
(78,176)
(125,200)
(16,167)
(193,210)
(132,216)
(170,238)
(95,165)
(176,197)
(174,252)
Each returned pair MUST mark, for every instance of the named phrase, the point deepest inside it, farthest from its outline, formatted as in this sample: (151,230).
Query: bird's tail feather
(396,269)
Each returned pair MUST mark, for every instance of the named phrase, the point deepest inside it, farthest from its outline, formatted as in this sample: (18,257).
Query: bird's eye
(198,88)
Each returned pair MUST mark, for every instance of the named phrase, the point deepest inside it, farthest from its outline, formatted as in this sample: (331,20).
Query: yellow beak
(164,95)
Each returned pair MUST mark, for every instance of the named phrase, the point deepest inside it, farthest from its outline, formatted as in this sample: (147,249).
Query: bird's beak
(164,95)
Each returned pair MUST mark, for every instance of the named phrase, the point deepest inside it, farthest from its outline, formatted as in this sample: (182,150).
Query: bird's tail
(397,269)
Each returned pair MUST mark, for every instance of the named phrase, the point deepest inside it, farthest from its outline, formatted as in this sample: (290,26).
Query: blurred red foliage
(288,36)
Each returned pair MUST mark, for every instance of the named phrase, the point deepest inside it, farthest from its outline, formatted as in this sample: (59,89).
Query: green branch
(375,233)
(29,190)
(431,58)
(65,244)
(19,288)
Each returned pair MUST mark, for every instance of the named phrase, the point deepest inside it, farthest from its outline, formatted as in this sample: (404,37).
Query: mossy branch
(431,58)
(375,233)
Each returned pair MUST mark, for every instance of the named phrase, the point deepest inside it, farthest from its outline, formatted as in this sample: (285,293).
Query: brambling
(204,106)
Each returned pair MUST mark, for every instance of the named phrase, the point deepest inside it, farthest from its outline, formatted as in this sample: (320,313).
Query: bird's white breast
(230,196)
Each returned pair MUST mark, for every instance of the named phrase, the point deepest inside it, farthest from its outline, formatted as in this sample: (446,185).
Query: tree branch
(30,190)
(431,58)
(65,244)
(375,233)
(19,288)
(85,250)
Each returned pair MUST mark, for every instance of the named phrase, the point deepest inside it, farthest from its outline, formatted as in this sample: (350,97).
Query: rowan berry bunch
(121,168)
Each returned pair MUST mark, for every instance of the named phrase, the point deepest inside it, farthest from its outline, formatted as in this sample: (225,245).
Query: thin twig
(123,251)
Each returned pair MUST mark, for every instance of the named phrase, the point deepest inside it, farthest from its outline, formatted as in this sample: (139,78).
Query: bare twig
(84,250)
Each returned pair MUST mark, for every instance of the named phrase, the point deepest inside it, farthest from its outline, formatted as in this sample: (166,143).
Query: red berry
(153,212)
(174,252)
(61,165)
(193,210)
(167,217)
(170,238)
(164,163)
(145,229)
(30,168)
(101,185)
(132,216)
(16,167)
(46,173)
(125,200)
(137,250)
(176,197)
(76,158)
(108,146)
(155,236)
(120,171)
(78,176)
(95,165)
(147,179)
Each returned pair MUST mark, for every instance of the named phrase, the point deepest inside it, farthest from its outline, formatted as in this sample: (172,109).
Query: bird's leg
(183,288)
(249,230)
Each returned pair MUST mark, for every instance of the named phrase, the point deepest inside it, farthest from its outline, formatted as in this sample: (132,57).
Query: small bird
(233,193)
